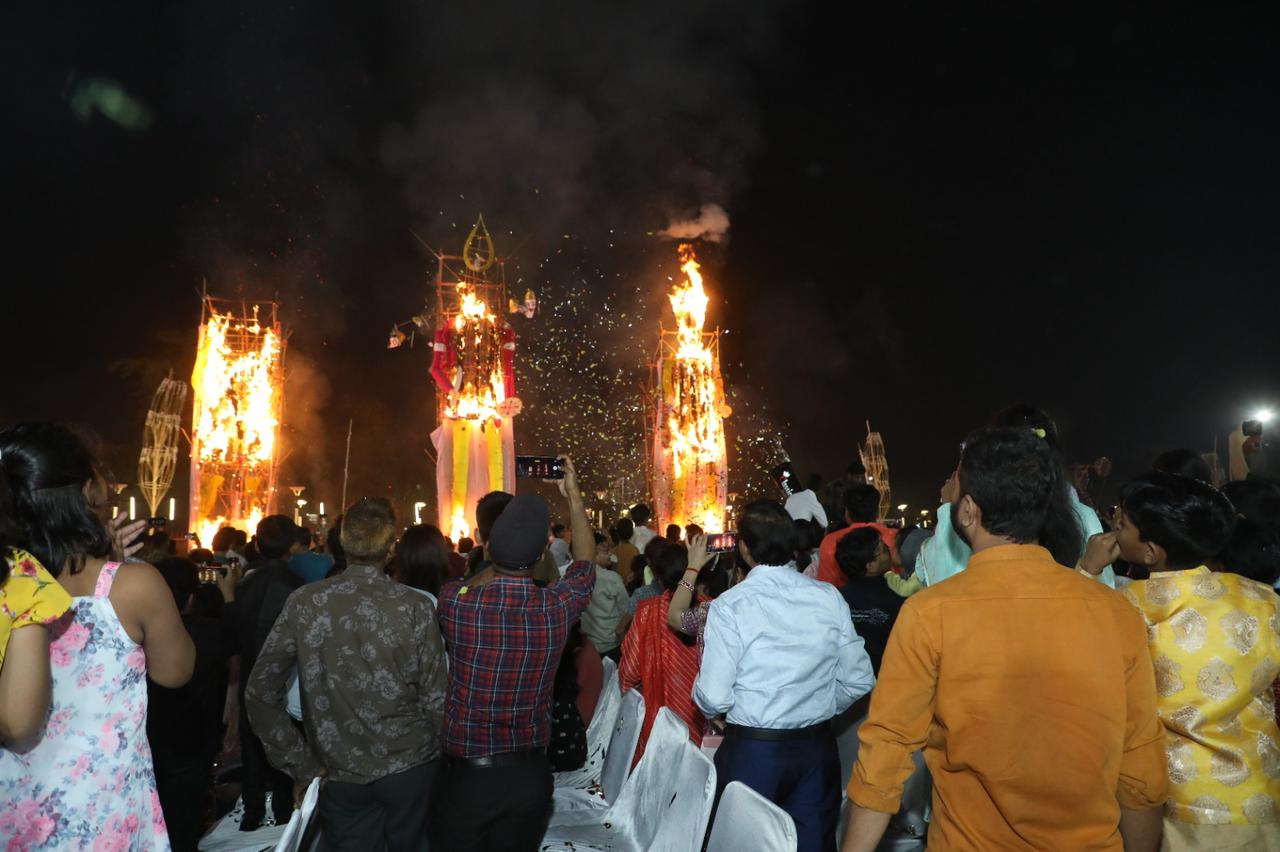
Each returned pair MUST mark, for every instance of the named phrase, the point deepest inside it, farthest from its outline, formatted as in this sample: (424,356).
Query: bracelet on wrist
(685,584)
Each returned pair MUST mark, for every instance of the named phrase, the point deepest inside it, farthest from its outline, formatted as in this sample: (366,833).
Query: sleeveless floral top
(88,784)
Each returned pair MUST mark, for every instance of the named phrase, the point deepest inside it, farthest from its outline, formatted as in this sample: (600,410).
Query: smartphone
(539,467)
(1251,428)
(209,575)
(785,475)
(725,542)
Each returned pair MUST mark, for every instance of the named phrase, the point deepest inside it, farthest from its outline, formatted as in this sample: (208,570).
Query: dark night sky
(935,212)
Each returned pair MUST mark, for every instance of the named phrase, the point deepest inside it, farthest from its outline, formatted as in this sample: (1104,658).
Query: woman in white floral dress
(87,783)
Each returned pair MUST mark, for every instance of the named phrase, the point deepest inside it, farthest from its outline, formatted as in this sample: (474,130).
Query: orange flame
(695,427)
(238,398)
(476,401)
(459,528)
(237,393)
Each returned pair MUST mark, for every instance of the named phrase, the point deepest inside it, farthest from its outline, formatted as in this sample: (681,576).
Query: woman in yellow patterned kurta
(1215,643)
(30,600)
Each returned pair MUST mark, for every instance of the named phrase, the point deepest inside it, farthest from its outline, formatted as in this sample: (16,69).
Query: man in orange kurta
(1028,686)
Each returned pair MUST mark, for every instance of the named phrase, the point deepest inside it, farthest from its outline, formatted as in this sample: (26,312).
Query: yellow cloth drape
(461,464)
(493,446)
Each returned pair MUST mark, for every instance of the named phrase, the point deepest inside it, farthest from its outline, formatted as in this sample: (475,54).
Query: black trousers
(184,786)
(388,814)
(258,777)
(501,809)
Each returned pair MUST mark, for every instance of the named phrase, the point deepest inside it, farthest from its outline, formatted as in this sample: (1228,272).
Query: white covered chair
(599,733)
(226,836)
(295,832)
(574,806)
(908,831)
(747,820)
(663,807)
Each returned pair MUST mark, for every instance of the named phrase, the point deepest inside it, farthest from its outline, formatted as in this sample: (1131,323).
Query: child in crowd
(1215,643)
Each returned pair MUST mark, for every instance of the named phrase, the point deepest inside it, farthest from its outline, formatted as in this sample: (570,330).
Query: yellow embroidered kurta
(30,596)
(1215,644)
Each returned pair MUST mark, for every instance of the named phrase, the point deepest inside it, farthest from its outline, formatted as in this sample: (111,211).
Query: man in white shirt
(805,506)
(640,516)
(801,503)
(781,659)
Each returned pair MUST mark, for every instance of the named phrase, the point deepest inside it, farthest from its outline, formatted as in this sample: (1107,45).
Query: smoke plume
(711,224)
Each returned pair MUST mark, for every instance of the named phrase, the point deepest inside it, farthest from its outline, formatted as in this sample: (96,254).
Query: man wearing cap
(505,636)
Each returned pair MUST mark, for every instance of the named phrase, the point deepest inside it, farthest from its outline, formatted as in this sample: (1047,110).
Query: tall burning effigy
(238,385)
(690,466)
(473,364)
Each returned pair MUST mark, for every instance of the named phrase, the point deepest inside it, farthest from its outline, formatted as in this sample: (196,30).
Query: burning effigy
(690,465)
(238,389)
(473,365)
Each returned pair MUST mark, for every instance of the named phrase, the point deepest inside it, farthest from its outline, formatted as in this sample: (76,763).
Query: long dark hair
(10,533)
(422,558)
(1020,485)
(46,468)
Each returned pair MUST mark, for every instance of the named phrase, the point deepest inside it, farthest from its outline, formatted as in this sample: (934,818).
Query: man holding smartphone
(505,636)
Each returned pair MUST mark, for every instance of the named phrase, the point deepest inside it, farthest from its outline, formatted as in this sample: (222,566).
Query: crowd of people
(1072,678)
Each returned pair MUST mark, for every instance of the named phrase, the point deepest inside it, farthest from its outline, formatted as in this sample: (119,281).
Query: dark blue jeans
(801,776)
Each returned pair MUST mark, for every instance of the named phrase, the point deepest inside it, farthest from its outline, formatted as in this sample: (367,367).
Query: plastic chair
(747,820)
(226,836)
(296,831)
(663,807)
(599,732)
(579,807)
(908,831)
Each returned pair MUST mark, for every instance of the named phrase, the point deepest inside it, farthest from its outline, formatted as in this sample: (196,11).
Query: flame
(695,427)
(238,395)
(207,528)
(474,323)
(459,529)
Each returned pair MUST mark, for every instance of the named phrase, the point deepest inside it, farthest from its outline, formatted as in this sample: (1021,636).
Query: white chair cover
(297,827)
(747,820)
(226,836)
(663,807)
(599,732)
(579,807)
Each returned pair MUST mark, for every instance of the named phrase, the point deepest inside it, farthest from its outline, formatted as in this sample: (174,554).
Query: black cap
(519,536)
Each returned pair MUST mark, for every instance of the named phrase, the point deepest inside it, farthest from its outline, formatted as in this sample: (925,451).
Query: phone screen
(724,542)
(539,467)
(786,478)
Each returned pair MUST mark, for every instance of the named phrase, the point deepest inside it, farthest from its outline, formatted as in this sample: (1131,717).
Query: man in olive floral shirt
(371,667)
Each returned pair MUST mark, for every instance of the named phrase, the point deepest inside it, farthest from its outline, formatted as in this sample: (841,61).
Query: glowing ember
(237,385)
(691,478)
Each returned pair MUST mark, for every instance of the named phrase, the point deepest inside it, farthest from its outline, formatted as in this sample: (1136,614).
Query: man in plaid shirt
(505,636)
